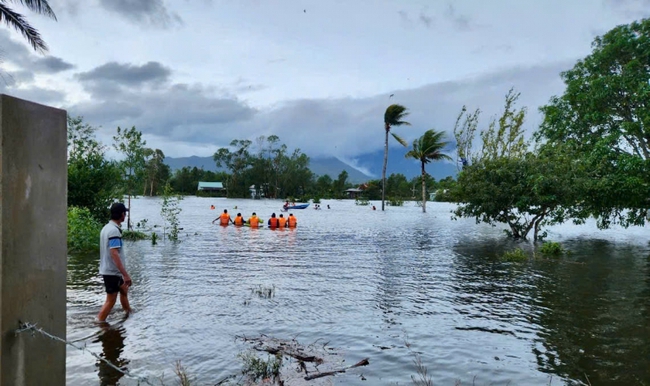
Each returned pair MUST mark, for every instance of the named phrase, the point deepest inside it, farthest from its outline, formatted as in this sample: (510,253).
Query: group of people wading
(256,222)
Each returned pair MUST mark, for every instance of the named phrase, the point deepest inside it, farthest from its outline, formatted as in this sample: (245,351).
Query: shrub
(134,235)
(83,230)
(552,249)
(516,254)
(395,201)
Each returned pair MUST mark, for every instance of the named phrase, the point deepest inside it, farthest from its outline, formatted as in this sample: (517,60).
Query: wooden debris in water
(310,362)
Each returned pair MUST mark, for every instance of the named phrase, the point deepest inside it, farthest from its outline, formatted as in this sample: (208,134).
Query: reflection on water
(112,341)
(367,282)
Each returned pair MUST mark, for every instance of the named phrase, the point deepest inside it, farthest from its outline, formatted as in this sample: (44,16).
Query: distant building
(210,187)
(353,192)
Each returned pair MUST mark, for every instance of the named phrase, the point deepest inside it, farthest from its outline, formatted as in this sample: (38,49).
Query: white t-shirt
(110,238)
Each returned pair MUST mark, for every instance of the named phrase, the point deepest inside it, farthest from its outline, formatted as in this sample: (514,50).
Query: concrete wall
(33,230)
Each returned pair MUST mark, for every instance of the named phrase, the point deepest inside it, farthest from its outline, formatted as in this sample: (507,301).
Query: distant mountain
(397,163)
(371,162)
(331,166)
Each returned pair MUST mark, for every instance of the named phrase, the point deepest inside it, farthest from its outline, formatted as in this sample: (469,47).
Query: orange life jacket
(282,222)
(254,221)
(273,222)
(292,222)
(224,218)
(239,220)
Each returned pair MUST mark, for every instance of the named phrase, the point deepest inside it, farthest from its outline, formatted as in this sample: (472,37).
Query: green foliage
(21,25)
(551,248)
(316,200)
(392,201)
(134,235)
(269,167)
(362,202)
(129,142)
(83,230)
(508,184)
(428,148)
(515,255)
(603,116)
(92,179)
(154,238)
(256,368)
(394,116)
(169,211)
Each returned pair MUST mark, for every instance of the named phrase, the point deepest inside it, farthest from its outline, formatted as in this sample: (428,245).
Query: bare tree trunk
(151,190)
(424,190)
(383,172)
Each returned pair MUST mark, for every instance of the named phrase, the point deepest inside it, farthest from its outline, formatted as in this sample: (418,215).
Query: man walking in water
(111,263)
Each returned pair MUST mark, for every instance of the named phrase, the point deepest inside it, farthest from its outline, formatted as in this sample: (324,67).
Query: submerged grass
(134,235)
(264,291)
(515,255)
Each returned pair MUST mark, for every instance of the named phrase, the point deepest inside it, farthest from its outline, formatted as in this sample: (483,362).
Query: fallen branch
(363,362)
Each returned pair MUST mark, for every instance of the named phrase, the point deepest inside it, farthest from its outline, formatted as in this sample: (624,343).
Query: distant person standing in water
(273,222)
(239,220)
(111,262)
(224,219)
(292,221)
(254,221)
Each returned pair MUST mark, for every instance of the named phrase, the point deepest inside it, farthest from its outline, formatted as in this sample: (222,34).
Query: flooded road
(367,282)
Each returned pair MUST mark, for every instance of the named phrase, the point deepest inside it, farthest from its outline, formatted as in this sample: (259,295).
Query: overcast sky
(194,74)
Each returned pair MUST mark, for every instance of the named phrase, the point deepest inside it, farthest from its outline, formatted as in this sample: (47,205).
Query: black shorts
(113,283)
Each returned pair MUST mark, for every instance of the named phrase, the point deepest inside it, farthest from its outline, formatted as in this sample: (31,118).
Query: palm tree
(428,148)
(393,116)
(16,20)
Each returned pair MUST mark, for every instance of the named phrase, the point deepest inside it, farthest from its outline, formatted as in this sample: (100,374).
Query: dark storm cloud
(126,74)
(18,53)
(51,65)
(153,12)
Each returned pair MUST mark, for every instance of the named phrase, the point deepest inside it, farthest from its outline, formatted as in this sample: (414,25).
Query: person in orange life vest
(224,219)
(239,220)
(292,221)
(282,221)
(254,221)
(273,221)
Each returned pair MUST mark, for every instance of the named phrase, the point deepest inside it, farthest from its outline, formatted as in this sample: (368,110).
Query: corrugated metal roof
(210,185)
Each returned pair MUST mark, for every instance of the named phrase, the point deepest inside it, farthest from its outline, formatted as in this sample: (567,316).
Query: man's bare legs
(107,307)
(124,299)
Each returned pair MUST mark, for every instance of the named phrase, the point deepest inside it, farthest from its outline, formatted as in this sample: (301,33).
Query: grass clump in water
(255,368)
(134,235)
(516,254)
(263,291)
(552,249)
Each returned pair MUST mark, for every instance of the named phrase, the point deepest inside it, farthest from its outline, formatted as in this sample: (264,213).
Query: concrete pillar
(33,231)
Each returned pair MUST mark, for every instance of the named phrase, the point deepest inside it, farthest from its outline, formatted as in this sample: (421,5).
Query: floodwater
(366,282)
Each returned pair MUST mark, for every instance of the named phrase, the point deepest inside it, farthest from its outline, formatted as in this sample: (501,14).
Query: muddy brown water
(366,282)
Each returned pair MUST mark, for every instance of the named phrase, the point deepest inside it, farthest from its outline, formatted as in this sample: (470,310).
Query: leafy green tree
(324,186)
(372,190)
(129,142)
(340,184)
(16,20)
(397,186)
(170,210)
(507,183)
(603,116)
(91,177)
(394,116)
(428,148)
(156,171)
(237,162)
